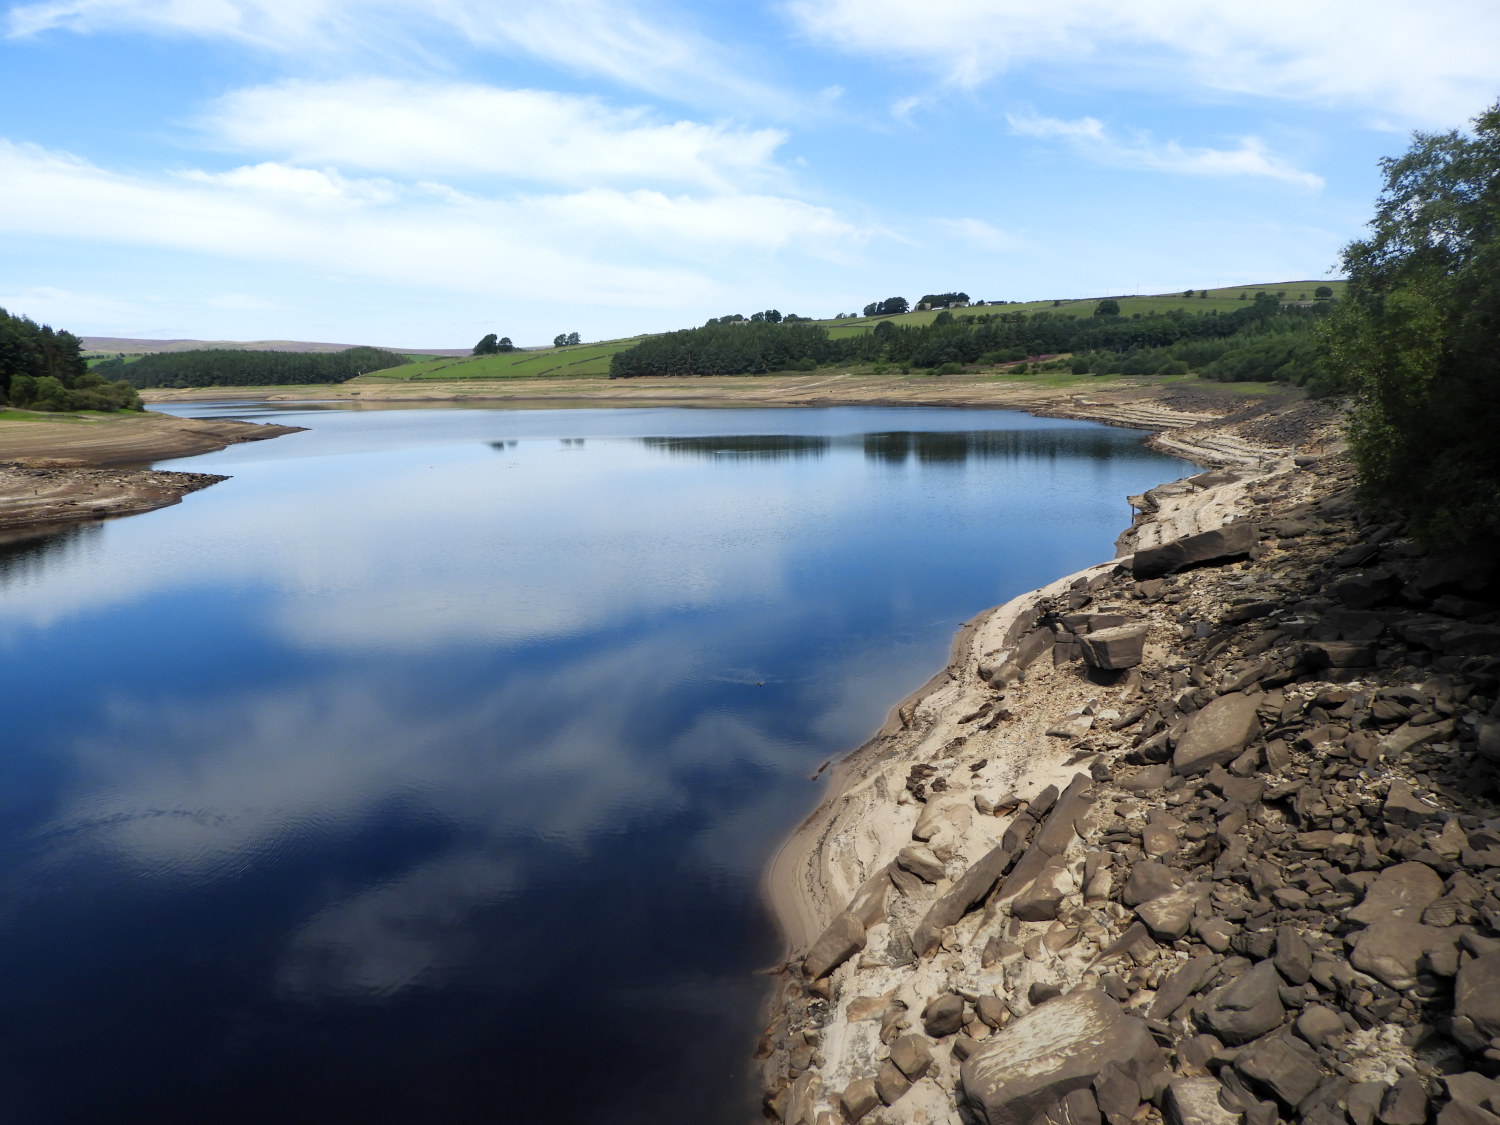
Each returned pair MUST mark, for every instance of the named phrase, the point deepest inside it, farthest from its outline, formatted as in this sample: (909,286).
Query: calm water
(425,770)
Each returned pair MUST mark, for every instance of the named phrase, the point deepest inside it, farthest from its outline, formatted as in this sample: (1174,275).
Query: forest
(44,369)
(234,367)
(1262,341)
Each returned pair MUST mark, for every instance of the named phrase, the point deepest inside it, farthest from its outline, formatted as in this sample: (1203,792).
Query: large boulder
(1233,540)
(1393,950)
(1216,735)
(844,938)
(1247,1007)
(1114,648)
(1399,893)
(1054,1049)
(1476,1002)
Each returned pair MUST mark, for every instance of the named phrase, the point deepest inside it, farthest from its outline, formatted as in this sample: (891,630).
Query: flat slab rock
(1217,734)
(1054,1049)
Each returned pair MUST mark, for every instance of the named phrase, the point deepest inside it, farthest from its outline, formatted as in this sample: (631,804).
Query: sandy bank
(57,471)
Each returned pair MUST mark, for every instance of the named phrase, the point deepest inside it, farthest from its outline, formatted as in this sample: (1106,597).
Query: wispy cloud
(656,51)
(434,129)
(1090,137)
(1423,64)
(622,248)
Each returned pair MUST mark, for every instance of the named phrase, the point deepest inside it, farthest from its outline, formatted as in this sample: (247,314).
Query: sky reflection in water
(425,770)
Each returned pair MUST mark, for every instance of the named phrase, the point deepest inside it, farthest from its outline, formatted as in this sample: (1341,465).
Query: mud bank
(55,472)
(1206,833)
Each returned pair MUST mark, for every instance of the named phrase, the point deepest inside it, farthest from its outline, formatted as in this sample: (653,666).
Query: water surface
(425,770)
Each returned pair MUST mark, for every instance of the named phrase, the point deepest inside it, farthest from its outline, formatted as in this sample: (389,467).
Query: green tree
(1417,336)
(1107,307)
(1323,293)
(574,338)
(488,346)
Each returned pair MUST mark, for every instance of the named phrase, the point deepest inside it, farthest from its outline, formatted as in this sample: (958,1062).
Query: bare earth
(67,471)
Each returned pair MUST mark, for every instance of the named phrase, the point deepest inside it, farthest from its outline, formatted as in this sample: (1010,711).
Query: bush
(947,369)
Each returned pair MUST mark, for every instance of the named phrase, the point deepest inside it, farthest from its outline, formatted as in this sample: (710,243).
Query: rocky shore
(1205,834)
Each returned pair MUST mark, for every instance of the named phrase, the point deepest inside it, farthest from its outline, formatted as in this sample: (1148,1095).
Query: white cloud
(1423,64)
(588,244)
(1090,137)
(650,51)
(412,128)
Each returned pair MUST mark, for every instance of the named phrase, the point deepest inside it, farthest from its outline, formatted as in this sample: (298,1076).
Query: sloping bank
(1206,833)
(57,472)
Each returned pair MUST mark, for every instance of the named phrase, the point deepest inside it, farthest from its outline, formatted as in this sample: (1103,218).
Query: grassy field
(584,360)
(1225,300)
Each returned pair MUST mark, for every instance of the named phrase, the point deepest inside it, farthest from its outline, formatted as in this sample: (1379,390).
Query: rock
(1115,648)
(912,1055)
(1195,1101)
(1246,1007)
(921,862)
(1062,1046)
(1339,654)
(1117,1095)
(1363,1102)
(1392,951)
(943,1016)
(1215,735)
(992,1010)
(1319,1025)
(1149,777)
(1148,880)
(1168,916)
(858,1098)
(1275,1065)
(1180,984)
(1402,806)
(1405,1103)
(1476,1002)
(1228,542)
(1075,1108)
(844,938)
(1399,893)
(1293,957)
(967,890)
(1041,898)
(1465,1113)
(942,816)
(890,1083)
(1361,591)
(1474,1088)
(1073,727)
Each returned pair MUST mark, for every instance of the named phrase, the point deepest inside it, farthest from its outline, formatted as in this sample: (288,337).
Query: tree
(487,346)
(560,340)
(1323,293)
(505,345)
(1417,336)
(574,338)
(892,306)
(1107,307)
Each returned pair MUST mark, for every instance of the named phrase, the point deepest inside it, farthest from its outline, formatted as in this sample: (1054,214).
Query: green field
(1225,300)
(584,360)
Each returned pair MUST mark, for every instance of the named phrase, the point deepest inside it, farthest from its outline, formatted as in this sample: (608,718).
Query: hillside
(99,346)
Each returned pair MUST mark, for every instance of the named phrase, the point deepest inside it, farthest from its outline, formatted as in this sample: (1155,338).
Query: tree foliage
(233,367)
(1417,336)
(1277,343)
(44,369)
(891,306)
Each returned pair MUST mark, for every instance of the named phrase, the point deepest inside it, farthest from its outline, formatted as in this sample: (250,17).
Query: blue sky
(421,172)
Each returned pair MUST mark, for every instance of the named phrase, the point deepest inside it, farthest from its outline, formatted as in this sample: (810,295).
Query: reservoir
(425,770)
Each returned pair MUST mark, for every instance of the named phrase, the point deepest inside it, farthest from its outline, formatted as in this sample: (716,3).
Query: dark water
(425,771)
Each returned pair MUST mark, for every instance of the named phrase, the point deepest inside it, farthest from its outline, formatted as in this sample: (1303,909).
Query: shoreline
(54,473)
